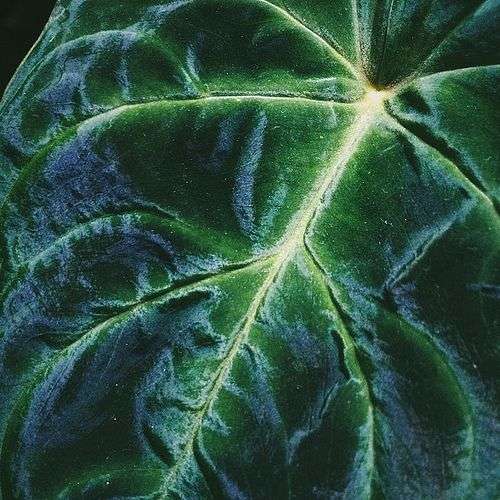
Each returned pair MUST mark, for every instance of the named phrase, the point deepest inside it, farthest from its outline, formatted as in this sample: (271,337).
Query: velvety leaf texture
(250,250)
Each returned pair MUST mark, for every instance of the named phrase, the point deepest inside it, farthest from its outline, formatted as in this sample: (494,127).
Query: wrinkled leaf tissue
(250,249)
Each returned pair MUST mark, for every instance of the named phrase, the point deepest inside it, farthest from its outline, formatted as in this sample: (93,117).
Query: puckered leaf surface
(250,250)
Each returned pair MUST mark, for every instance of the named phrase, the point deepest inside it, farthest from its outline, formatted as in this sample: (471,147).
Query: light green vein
(181,288)
(452,167)
(293,240)
(173,100)
(301,24)
(79,230)
(352,360)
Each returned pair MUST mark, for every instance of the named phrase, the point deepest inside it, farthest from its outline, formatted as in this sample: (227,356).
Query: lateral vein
(25,168)
(293,240)
(332,49)
(456,170)
(353,365)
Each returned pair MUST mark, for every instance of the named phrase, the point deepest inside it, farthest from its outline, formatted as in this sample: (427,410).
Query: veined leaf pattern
(250,250)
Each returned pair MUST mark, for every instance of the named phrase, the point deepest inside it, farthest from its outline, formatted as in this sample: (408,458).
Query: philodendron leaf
(250,250)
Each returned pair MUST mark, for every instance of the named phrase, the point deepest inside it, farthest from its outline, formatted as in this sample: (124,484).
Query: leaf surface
(251,250)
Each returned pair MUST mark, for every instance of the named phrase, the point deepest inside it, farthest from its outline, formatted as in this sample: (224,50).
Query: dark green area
(251,250)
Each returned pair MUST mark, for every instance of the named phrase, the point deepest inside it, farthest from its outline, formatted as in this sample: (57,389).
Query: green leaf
(251,250)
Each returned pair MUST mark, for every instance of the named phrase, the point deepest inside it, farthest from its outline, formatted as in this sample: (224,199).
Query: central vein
(293,240)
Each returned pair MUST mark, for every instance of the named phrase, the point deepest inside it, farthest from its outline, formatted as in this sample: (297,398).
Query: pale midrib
(293,240)
(170,292)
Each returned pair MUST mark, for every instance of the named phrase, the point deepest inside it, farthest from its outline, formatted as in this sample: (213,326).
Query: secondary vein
(333,50)
(353,363)
(293,240)
(173,100)
(452,166)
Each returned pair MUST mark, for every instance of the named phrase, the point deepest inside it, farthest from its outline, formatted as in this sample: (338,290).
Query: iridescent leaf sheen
(250,249)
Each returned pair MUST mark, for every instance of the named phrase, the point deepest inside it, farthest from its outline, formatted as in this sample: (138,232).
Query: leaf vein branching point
(371,105)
